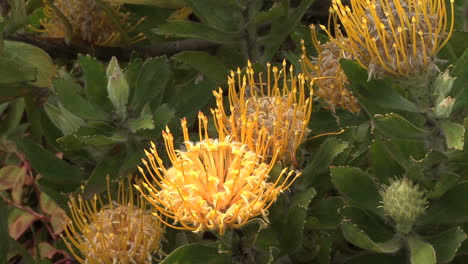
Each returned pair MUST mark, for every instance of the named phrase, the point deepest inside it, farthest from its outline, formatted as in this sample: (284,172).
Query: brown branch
(26,209)
(39,216)
(57,48)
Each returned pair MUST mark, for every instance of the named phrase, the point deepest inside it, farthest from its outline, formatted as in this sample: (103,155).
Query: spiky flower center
(330,78)
(121,232)
(277,115)
(121,235)
(215,184)
(279,106)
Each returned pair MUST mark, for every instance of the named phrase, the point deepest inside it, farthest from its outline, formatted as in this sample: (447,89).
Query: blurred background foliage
(72,112)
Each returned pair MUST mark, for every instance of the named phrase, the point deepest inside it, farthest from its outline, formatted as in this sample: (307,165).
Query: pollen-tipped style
(280,102)
(102,24)
(396,38)
(213,184)
(121,231)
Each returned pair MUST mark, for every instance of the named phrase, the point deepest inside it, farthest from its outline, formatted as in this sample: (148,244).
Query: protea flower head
(212,185)
(282,104)
(331,81)
(404,202)
(392,37)
(100,23)
(121,231)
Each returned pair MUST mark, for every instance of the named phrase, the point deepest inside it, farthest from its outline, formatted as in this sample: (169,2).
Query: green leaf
(196,94)
(421,252)
(395,126)
(143,122)
(24,62)
(131,74)
(4,236)
(455,46)
(67,93)
(322,159)
(95,79)
(151,82)
(224,15)
(81,139)
(447,180)
(62,119)
(383,164)
(460,88)
(450,208)
(162,116)
(97,181)
(12,119)
(34,112)
(281,29)
(55,172)
(9,176)
(454,134)
(17,16)
(275,11)
(188,29)
(405,152)
(324,214)
(11,91)
(19,221)
(373,259)
(359,238)
(20,73)
(326,247)
(447,243)
(371,224)
(374,94)
(293,228)
(357,186)
(209,65)
(196,253)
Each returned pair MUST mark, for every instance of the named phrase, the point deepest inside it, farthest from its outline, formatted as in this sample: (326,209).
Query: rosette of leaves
(105,116)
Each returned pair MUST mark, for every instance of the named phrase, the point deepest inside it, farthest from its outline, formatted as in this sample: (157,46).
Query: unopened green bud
(444,108)
(442,86)
(117,88)
(403,201)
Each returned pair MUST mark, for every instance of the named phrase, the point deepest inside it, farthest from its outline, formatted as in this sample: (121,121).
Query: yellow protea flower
(282,104)
(392,37)
(88,21)
(330,78)
(121,231)
(213,185)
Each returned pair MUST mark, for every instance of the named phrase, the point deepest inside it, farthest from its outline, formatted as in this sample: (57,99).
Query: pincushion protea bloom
(392,37)
(118,232)
(89,22)
(282,104)
(213,185)
(330,78)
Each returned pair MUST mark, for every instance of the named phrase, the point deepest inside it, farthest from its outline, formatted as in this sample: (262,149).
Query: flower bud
(444,107)
(403,201)
(117,87)
(443,85)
